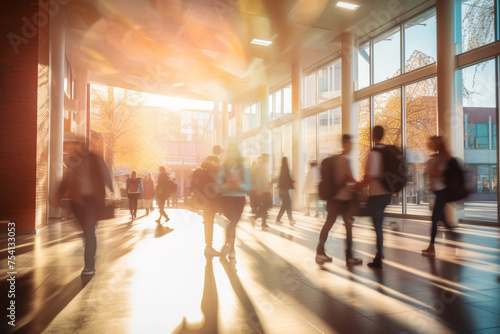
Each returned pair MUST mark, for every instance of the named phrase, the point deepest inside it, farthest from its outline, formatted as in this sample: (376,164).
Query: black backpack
(455,180)
(395,172)
(328,187)
(203,188)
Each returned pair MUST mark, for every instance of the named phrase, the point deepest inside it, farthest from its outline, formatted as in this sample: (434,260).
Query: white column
(56,105)
(297,163)
(81,97)
(347,82)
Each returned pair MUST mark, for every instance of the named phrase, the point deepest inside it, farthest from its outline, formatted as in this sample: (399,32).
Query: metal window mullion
(497,74)
(402,47)
(403,144)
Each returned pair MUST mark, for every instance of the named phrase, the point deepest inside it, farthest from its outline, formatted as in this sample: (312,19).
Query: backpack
(203,188)
(455,180)
(394,165)
(328,187)
(133,186)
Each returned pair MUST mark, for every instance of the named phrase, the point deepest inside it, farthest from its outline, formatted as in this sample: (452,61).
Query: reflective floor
(150,280)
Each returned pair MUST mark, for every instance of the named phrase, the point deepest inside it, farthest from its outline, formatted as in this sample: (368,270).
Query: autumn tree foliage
(128,136)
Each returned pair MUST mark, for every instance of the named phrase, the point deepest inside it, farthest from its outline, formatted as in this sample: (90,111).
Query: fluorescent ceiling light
(261,42)
(348,5)
(178,84)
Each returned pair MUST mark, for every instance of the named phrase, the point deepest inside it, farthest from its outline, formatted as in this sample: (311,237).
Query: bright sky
(176,103)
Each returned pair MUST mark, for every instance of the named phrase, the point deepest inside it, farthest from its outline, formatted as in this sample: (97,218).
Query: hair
(147,176)
(216,150)
(378,132)
(284,166)
(313,163)
(162,169)
(232,156)
(133,175)
(346,138)
(439,142)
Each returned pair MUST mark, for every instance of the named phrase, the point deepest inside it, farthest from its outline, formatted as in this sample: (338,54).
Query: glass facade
(386,56)
(420,51)
(477,24)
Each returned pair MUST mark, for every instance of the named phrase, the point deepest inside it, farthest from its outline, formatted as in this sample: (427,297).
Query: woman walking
(285,183)
(233,180)
(134,190)
(149,193)
(434,171)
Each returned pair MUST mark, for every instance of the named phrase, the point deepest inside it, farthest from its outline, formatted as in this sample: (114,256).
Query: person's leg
(287,203)
(282,208)
(377,206)
(316,203)
(135,199)
(86,215)
(130,205)
(437,215)
(232,207)
(331,207)
(308,203)
(161,204)
(345,209)
(208,225)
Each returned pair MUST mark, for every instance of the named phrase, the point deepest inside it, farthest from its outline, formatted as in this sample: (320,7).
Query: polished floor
(150,280)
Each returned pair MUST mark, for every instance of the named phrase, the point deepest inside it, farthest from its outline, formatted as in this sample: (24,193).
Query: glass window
(420,41)
(310,90)
(329,81)
(386,56)
(364,66)
(387,113)
(329,133)
(277,103)
(271,107)
(480,153)
(421,123)
(478,23)
(364,126)
(287,100)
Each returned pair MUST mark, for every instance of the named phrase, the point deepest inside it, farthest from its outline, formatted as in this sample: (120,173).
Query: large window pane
(329,81)
(364,126)
(310,136)
(420,41)
(387,113)
(478,23)
(287,100)
(329,133)
(310,90)
(421,123)
(386,56)
(480,151)
(364,66)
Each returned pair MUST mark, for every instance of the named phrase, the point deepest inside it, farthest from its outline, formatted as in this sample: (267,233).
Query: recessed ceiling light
(348,5)
(178,84)
(261,42)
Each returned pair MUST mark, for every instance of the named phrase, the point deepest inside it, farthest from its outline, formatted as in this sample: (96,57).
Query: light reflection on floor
(152,280)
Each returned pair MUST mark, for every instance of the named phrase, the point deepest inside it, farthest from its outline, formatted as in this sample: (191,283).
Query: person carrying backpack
(384,175)
(435,172)
(341,193)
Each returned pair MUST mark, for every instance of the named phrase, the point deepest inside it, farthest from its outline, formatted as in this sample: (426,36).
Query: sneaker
(210,251)
(292,222)
(376,263)
(167,219)
(264,225)
(316,215)
(158,220)
(353,261)
(322,258)
(225,251)
(307,214)
(88,272)
(278,222)
(429,251)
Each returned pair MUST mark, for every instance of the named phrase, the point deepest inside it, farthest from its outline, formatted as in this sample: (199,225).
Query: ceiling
(201,49)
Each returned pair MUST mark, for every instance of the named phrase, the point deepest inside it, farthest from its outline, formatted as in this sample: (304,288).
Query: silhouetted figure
(134,189)
(285,184)
(175,192)
(251,195)
(148,194)
(262,190)
(340,204)
(434,172)
(379,196)
(162,193)
(86,180)
(310,188)
(233,180)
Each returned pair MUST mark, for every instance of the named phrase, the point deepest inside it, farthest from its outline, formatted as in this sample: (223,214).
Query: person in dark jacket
(285,184)
(134,188)
(86,180)
(162,193)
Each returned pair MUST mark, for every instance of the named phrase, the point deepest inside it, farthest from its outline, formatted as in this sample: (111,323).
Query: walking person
(310,188)
(262,191)
(148,194)
(162,193)
(285,184)
(340,204)
(175,192)
(86,180)
(434,172)
(134,189)
(379,197)
(233,180)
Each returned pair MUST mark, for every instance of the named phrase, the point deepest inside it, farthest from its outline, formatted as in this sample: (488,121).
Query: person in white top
(379,197)
(434,172)
(340,204)
(310,188)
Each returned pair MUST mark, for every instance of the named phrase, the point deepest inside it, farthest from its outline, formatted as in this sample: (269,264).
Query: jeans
(377,206)
(161,204)
(133,198)
(312,197)
(438,213)
(335,208)
(265,202)
(208,220)
(232,207)
(286,205)
(86,213)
